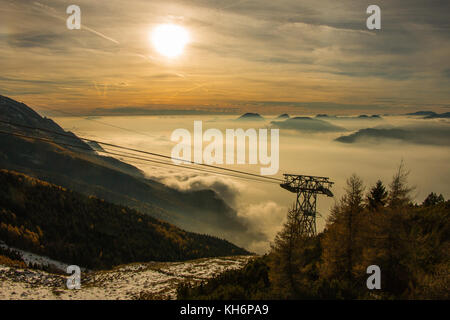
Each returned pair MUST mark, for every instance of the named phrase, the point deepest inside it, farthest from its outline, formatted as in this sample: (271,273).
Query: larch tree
(341,249)
(399,191)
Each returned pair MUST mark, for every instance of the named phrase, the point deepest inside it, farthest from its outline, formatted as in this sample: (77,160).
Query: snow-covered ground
(153,280)
(32,258)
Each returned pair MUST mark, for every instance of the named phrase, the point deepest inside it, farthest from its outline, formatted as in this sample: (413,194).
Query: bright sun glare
(169,39)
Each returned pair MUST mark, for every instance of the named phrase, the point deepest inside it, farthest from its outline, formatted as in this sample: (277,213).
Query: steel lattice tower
(304,211)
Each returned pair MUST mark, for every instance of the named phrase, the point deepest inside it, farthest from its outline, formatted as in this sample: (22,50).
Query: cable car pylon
(304,211)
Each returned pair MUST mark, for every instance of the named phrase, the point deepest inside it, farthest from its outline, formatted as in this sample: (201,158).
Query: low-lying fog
(423,144)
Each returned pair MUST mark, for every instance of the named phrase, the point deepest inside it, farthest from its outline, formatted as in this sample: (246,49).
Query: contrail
(99,34)
(48,10)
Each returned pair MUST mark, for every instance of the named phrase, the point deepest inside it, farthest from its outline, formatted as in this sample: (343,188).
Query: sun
(169,39)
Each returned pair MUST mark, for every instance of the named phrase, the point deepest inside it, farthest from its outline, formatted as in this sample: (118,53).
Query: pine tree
(433,199)
(377,196)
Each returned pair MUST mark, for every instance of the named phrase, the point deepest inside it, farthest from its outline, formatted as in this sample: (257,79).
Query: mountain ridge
(109,178)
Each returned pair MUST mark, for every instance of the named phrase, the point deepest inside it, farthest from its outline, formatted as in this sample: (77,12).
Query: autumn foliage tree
(341,245)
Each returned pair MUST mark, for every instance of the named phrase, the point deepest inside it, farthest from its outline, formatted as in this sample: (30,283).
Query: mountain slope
(82,169)
(67,226)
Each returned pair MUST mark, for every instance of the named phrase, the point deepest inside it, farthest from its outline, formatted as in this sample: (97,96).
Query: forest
(379,226)
(87,231)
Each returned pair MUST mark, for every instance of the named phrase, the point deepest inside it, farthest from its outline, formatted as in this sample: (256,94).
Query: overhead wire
(142,151)
(134,156)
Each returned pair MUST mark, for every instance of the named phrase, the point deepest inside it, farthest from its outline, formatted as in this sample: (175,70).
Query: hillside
(67,226)
(82,169)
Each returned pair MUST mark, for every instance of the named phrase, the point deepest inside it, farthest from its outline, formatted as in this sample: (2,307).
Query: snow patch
(152,280)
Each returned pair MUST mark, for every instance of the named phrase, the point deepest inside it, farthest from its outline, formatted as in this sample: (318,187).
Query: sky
(296,56)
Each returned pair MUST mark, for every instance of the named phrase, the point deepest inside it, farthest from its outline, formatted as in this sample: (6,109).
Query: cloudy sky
(269,56)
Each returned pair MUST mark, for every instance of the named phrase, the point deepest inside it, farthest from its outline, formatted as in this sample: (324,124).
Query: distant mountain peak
(439,116)
(430,114)
(251,117)
(421,113)
(283,116)
(322,115)
(307,124)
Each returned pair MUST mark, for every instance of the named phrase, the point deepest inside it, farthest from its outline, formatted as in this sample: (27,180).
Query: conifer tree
(377,196)
(433,199)
(399,191)
(341,247)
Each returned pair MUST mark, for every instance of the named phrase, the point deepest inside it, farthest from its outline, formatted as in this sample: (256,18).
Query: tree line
(409,242)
